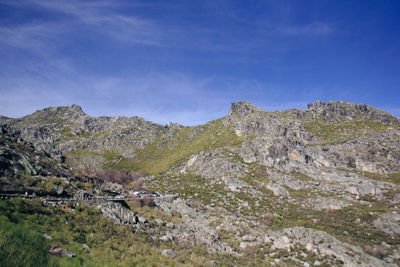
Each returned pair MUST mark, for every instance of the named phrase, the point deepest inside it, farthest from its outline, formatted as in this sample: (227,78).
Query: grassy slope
(22,243)
(161,155)
(23,223)
(23,220)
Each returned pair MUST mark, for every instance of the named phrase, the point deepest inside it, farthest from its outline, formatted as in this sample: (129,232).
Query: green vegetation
(110,157)
(191,185)
(25,182)
(393,177)
(339,223)
(83,152)
(23,224)
(161,155)
(300,176)
(21,246)
(343,131)
(85,134)
(67,131)
(390,177)
(103,133)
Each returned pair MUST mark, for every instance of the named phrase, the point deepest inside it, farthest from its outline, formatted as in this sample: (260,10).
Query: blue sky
(186,61)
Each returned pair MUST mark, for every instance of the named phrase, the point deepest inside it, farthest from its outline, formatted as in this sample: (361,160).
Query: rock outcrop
(119,214)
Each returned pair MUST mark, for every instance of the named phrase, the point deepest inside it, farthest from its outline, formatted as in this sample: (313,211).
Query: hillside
(310,187)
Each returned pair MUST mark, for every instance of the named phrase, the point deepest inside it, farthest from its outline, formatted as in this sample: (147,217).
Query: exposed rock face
(61,252)
(195,228)
(326,203)
(278,190)
(15,154)
(283,137)
(213,165)
(81,195)
(19,158)
(333,111)
(64,129)
(120,215)
(321,243)
(389,223)
(275,138)
(216,167)
(168,252)
(243,107)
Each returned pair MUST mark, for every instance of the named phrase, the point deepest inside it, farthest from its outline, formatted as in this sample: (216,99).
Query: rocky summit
(314,187)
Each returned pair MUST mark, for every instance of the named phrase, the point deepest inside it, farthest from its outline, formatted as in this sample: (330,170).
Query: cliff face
(333,169)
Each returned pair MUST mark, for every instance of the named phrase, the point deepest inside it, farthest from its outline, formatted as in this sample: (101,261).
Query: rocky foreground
(296,187)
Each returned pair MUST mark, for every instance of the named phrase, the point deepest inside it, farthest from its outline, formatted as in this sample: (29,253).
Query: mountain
(298,187)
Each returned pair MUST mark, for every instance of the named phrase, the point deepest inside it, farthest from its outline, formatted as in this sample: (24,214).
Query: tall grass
(22,246)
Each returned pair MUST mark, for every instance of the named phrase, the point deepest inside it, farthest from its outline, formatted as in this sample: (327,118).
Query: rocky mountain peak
(68,109)
(56,114)
(76,108)
(334,111)
(243,107)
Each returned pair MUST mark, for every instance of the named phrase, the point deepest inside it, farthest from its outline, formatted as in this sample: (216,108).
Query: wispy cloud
(102,17)
(316,28)
(35,35)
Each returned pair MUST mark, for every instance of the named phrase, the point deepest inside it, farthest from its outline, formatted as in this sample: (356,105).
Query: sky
(187,61)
